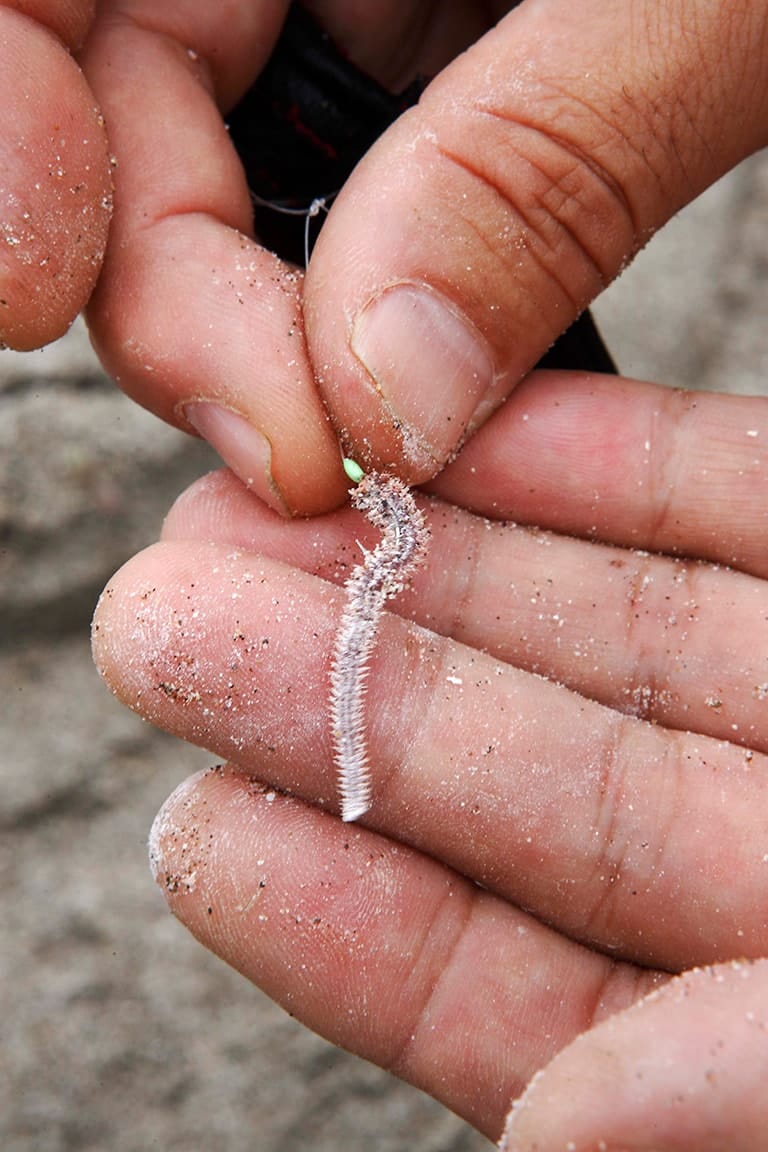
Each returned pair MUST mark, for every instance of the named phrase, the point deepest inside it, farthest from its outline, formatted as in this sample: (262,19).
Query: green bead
(353,470)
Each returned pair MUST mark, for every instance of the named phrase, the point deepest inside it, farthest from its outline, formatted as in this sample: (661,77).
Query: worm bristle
(389,505)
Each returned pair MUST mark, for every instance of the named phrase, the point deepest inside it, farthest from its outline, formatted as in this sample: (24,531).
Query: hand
(535,166)
(569,747)
(191,316)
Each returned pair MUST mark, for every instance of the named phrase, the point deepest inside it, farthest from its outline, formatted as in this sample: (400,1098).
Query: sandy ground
(118,1031)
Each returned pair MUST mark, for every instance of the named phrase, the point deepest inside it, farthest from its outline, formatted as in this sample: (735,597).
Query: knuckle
(545,197)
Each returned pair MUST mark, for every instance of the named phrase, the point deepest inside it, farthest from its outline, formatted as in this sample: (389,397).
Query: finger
(376,947)
(685,1068)
(67,19)
(55,196)
(647,843)
(634,464)
(191,316)
(485,220)
(641,634)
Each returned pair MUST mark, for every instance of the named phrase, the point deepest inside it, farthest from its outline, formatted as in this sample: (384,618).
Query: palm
(494,789)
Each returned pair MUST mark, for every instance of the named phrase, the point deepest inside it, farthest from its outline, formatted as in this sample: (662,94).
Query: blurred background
(117,1030)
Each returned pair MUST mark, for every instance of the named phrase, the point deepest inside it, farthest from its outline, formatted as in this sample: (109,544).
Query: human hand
(541,852)
(534,167)
(191,316)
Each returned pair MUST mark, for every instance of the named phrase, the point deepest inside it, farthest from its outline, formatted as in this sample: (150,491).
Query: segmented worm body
(389,505)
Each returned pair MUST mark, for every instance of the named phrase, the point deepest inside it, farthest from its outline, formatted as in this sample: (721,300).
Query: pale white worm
(389,505)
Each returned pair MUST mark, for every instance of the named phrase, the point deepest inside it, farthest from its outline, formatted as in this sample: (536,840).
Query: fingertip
(429,364)
(246,449)
(130,617)
(57,197)
(205,329)
(238,863)
(172,866)
(212,849)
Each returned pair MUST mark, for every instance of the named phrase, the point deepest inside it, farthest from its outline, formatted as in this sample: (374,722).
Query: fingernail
(430,365)
(246,450)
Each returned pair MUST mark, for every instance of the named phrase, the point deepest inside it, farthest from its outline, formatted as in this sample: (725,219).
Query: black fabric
(303,126)
(300,130)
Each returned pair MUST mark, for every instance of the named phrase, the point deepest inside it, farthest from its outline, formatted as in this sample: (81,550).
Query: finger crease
(402,1059)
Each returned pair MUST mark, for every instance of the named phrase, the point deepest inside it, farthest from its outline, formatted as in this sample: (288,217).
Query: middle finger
(648,843)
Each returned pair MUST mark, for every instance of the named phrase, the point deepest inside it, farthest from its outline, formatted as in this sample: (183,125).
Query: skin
(56,188)
(621,801)
(535,166)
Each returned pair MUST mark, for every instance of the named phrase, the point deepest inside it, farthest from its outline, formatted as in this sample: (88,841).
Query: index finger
(191,316)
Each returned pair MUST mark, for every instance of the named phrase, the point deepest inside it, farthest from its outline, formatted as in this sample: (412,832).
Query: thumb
(684,1068)
(485,220)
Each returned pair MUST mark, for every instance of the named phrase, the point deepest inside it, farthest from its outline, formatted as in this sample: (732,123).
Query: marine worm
(389,505)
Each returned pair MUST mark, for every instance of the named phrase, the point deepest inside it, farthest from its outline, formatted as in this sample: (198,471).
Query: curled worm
(389,505)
